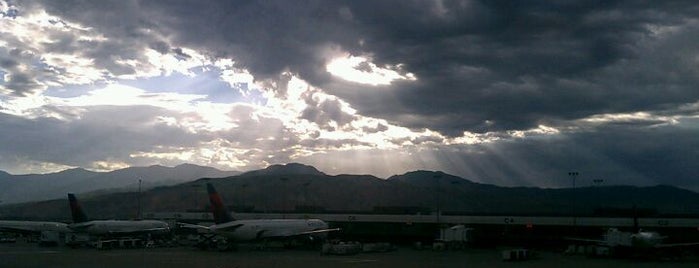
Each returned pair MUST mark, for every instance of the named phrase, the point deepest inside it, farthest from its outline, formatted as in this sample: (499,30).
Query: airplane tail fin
(221,214)
(75,210)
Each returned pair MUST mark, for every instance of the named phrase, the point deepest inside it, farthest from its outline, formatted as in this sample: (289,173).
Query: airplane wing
(286,234)
(193,226)
(677,245)
(79,227)
(229,228)
(586,240)
(20,230)
(23,227)
(320,231)
(141,231)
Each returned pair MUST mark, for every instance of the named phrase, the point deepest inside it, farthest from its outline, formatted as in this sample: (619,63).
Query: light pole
(574,174)
(139,200)
(437,181)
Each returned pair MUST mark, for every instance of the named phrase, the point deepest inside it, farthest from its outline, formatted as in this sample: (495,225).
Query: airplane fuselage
(111,227)
(33,226)
(250,230)
(616,238)
(646,239)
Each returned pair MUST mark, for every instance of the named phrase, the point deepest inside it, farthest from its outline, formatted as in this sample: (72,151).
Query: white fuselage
(642,239)
(107,227)
(249,230)
(33,226)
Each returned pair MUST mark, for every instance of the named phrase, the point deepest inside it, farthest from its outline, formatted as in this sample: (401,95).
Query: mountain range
(37,187)
(303,189)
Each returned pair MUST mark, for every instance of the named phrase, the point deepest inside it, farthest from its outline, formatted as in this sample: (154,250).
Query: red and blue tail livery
(75,210)
(221,214)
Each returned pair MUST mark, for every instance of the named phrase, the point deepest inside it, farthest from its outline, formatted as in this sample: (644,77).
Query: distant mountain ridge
(4,174)
(299,188)
(285,169)
(37,187)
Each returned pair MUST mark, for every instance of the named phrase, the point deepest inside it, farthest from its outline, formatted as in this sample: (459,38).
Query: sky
(512,93)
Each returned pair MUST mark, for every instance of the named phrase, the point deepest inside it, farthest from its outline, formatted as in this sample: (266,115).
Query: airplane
(81,224)
(45,232)
(33,227)
(639,240)
(257,230)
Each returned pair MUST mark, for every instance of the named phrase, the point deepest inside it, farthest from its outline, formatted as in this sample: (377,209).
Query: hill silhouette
(38,187)
(304,189)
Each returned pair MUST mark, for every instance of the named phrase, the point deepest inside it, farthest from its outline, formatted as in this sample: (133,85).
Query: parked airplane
(637,240)
(112,227)
(263,229)
(33,227)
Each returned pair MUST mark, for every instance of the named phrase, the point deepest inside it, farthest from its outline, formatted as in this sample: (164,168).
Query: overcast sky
(514,93)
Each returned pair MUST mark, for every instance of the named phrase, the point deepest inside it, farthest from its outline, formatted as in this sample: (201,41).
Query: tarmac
(22,254)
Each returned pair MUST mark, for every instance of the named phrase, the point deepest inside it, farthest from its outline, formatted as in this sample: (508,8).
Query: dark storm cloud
(20,80)
(516,65)
(22,83)
(325,111)
(616,155)
(619,154)
(80,142)
(8,63)
(481,65)
(110,49)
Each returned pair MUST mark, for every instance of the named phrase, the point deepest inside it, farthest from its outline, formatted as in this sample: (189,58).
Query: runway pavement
(31,255)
